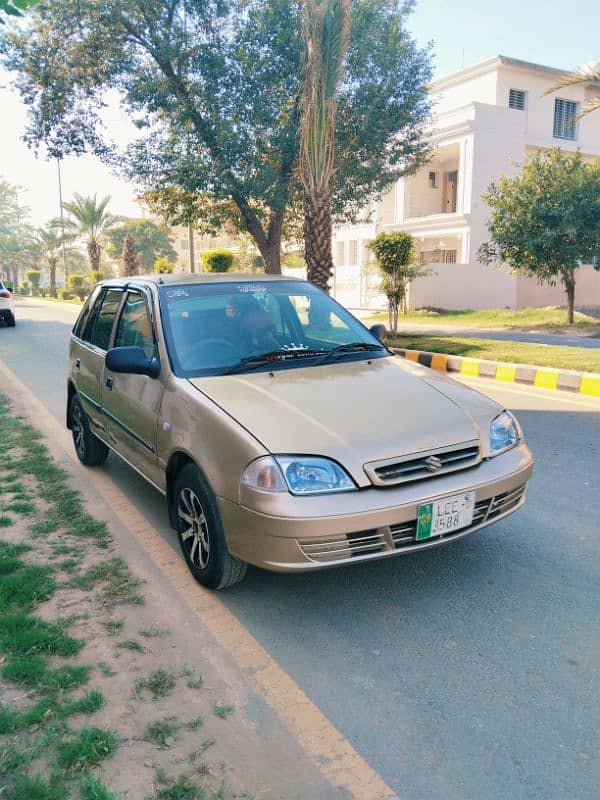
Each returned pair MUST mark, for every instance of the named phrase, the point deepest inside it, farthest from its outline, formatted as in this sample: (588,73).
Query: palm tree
(326,25)
(50,243)
(90,220)
(589,73)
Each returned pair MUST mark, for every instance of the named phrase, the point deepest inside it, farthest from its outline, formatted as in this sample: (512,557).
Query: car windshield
(221,328)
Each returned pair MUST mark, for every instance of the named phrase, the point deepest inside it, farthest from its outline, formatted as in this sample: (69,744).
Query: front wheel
(200,532)
(10,320)
(90,450)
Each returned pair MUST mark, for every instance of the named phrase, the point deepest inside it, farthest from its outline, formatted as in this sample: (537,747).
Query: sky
(462,32)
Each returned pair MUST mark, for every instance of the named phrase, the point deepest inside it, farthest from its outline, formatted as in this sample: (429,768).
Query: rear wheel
(10,320)
(200,532)
(90,450)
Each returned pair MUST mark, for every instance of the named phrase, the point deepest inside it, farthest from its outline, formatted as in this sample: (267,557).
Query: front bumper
(311,533)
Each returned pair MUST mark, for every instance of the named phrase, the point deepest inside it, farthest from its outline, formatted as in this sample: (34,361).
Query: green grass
(542,355)
(24,635)
(26,587)
(196,723)
(113,627)
(181,789)
(545,320)
(158,732)
(20,507)
(36,787)
(159,683)
(222,710)
(93,789)
(106,670)
(193,681)
(151,632)
(87,748)
(119,585)
(131,644)
(6,522)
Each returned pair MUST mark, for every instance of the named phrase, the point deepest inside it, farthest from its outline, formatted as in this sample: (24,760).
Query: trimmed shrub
(33,276)
(63,294)
(163,266)
(96,276)
(217,260)
(76,285)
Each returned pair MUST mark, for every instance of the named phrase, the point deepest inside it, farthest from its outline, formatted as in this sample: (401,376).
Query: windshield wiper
(272,357)
(352,347)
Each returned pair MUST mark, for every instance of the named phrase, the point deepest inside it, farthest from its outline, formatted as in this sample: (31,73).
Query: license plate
(445,516)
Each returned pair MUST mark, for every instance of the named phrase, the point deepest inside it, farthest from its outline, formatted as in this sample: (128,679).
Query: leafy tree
(326,26)
(589,73)
(163,266)
(545,222)
(217,260)
(131,262)
(96,276)
(216,90)
(14,8)
(151,242)
(50,244)
(90,220)
(394,255)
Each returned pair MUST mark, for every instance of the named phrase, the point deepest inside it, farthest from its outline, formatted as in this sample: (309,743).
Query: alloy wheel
(194,534)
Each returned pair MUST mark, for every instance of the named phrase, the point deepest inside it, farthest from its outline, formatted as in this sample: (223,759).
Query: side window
(134,328)
(104,318)
(83,317)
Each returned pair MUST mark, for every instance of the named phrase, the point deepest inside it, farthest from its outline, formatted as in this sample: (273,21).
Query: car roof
(185,278)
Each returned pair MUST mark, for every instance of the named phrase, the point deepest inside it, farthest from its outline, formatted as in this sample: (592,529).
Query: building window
(437,256)
(183,243)
(352,253)
(565,126)
(517,98)
(433,180)
(340,253)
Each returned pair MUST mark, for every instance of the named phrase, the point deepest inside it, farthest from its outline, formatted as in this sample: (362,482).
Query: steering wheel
(206,348)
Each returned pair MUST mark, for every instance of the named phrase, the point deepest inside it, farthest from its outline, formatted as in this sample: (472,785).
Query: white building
(488,118)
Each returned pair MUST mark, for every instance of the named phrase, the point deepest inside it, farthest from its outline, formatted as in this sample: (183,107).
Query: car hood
(353,412)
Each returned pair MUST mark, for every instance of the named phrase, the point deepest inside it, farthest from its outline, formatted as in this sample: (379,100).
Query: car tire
(200,532)
(90,450)
(10,320)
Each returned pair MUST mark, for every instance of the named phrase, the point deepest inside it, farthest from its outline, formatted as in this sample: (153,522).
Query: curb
(587,383)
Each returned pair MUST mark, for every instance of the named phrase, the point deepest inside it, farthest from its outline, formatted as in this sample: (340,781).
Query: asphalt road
(469,671)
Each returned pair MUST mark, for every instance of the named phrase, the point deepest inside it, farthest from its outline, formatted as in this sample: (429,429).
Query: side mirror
(379,331)
(132,361)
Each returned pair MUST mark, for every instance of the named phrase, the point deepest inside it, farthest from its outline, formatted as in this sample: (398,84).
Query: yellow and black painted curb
(544,377)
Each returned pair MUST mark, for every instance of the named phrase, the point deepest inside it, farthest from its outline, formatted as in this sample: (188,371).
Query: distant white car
(7,308)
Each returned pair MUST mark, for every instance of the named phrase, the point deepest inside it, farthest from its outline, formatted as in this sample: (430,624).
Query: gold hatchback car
(282,432)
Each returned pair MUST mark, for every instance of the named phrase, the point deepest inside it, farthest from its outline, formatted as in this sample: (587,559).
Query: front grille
(347,545)
(396,537)
(428,464)
(404,534)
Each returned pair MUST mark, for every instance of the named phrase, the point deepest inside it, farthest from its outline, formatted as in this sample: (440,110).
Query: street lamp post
(62,223)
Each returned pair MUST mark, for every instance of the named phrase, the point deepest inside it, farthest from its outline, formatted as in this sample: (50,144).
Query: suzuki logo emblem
(433,464)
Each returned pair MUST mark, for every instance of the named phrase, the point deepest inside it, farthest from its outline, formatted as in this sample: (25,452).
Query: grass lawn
(543,355)
(546,320)
(55,725)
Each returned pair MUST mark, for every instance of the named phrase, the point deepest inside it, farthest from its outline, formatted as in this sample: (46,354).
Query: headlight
(504,433)
(301,475)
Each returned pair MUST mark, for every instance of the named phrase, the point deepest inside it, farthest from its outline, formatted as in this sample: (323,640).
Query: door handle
(109,383)
(77,363)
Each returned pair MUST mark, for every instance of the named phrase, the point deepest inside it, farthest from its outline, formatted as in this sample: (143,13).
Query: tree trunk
(52,269)
(15,274)
(191,246)
(317,239)
(93,249)
(570,286)
(271,254)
